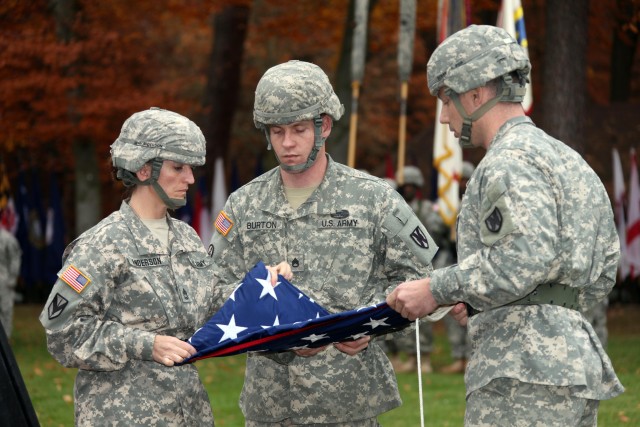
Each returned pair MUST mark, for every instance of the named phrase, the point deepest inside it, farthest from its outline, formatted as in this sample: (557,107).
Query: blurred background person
(456,333)
(10,257)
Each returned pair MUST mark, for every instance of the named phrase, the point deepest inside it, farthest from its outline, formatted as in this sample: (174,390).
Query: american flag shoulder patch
(223,223)
(75,278)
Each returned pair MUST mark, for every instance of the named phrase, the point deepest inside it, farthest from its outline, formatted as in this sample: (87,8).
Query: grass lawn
(50,386)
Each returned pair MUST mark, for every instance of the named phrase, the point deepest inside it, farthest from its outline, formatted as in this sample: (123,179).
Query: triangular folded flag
(259,317)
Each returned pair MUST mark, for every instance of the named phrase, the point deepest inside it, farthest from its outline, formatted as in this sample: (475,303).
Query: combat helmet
(471,58)
(292,92)
(411,175)
(155,135)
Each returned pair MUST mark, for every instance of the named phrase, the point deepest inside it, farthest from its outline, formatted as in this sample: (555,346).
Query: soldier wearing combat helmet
(536,246)
(348,236)
(134,287)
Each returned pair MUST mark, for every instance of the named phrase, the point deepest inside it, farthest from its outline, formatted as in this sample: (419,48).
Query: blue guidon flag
(258,317)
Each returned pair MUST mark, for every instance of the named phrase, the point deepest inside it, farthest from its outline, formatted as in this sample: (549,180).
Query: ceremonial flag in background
(219,195)
(8,216)
(201,221)
(633,227)
(618,194)
(260,317)
(447,153)
(511,18)
(54,232)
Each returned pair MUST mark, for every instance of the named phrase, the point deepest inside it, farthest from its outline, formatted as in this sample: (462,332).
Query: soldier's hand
(283,269)
(353,347)
(170,350)
(413,299)
(459,312)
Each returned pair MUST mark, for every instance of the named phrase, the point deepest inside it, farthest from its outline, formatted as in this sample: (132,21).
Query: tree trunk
(223,80)
(625,40)
(87,182)
(338,143)
(564,92)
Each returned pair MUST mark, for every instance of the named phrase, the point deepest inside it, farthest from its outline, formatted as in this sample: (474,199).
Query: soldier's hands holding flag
(414,300)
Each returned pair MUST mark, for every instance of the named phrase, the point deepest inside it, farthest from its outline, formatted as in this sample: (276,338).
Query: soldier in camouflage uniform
(348,237)
(536,245)
(136,285)
(10,257)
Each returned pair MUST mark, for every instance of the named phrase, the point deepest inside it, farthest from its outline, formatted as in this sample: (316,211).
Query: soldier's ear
(144,172)
(327,124)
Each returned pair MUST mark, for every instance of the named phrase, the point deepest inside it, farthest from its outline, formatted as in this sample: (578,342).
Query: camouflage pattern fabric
(446,256)
(120,286)
(293,92)
(352,241)
(534,212)
(597,316)
(528,405)
(474,56)
(405,341)
(10,258)
(158,133)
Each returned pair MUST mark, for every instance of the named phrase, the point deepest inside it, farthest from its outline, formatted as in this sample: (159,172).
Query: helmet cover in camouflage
(292,92)
(474,56)
(158,133)
(412,175)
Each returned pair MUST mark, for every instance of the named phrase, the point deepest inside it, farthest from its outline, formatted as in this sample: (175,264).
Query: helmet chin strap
(467,120)
(507,91)
(130,179)
(317,145)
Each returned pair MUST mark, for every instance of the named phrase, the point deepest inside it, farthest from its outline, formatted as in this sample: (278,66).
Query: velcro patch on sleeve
(223,223)
(75,278)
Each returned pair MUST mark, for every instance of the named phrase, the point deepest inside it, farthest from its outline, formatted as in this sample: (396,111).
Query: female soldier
(136,285)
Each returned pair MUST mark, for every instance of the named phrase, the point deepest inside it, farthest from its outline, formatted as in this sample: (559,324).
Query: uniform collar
(320,201)
(510,124)
(147,243)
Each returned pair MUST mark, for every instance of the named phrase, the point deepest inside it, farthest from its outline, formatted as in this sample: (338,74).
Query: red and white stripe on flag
(633,227)
(618,194)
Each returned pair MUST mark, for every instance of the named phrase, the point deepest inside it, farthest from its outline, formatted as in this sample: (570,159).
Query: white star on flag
(233,294)
(358,336)
(267,288)
(374,323)
(231,331)
(275,323)
(314,337)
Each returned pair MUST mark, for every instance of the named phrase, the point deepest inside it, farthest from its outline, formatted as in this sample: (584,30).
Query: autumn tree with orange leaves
(71,72)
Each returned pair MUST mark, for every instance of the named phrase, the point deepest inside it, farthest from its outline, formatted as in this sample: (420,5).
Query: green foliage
(51,386)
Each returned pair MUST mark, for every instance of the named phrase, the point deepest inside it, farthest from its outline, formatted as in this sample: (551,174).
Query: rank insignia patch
(223,223)
(75,278)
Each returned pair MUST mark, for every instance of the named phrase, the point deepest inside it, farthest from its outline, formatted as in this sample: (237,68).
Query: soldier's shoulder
(256,185)
(108,229)
(360,178)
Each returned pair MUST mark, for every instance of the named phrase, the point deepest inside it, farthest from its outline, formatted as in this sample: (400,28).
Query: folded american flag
(259,317)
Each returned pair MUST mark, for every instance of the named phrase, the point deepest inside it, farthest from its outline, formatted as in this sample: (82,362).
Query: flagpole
(405,61)
(358,52)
